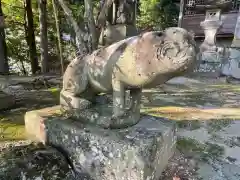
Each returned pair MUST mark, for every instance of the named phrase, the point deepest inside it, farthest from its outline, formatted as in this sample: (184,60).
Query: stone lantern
(210,55)
(212,23)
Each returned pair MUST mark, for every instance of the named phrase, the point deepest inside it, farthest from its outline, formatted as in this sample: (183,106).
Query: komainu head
(174,49)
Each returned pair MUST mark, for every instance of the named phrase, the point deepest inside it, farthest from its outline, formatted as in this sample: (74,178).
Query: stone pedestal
(114,33)
(232,66)
(211,61)
(210,53)
(6,101)
(140,152)
(236,39)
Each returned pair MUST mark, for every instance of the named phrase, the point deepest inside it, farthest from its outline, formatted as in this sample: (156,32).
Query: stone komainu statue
(143,61)
(125,11)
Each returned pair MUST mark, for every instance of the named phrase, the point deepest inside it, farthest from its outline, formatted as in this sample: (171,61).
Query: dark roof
(192,23)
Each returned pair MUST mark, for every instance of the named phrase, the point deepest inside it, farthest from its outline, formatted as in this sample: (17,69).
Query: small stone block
(35,122)
(140,152)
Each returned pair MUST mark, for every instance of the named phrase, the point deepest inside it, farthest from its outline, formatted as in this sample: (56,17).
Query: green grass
(12,128)
(12,121)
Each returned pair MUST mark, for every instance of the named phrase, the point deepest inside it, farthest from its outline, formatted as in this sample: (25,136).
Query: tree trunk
(89,19)
(58,35)
(4,68)
(43,34)
(30,36)
(23,68)
(103,14)
(81,45)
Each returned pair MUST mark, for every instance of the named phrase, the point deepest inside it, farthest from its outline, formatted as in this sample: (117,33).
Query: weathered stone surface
(143,61)
(232,66)
(210,56)
(210,67)
(6,100)
(140,152)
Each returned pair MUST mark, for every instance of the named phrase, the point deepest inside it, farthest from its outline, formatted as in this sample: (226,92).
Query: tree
(88,33)
(157,14)
(43,34)
(42,19)
(58,35)
(4,68)
(17,31)
(17,36)
(30,36)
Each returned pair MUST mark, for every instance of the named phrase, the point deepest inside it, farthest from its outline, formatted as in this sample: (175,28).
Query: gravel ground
(32,162)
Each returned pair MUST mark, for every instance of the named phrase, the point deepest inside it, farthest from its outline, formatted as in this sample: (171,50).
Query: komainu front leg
(118,99)
(135,102)
(122,117)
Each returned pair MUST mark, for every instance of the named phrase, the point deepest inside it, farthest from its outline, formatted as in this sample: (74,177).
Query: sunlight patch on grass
(12,127)
(10,131)
(192,113)
(153,90)
(231,87)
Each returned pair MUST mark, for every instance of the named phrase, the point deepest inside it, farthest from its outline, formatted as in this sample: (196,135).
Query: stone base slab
(140,152)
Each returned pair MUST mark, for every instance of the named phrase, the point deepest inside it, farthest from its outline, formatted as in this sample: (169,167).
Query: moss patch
(229,87)
(12,121)
(214,125)
(202,151)
(55,92)
(12,130)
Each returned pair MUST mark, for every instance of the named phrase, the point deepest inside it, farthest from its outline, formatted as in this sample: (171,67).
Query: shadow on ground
(33,161)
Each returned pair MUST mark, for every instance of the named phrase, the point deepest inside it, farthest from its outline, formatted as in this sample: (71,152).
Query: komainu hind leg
(69,101)
(79,107)
(75,84)
(76,97)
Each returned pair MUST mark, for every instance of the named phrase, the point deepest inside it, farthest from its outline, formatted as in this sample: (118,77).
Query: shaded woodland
(42,36)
